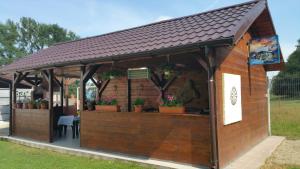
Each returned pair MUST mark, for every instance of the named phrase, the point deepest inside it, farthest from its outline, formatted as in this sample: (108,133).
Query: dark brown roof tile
(208,26)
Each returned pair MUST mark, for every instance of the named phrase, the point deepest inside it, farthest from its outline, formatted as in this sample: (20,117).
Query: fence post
(269,110)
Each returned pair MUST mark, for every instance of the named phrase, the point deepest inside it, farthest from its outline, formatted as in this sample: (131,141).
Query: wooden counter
(32,124)
(182,138)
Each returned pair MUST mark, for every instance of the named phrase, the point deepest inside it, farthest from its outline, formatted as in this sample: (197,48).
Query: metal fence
(285,87)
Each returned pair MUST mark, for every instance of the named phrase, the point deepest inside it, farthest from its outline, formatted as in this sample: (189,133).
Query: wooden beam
(103,86)
(51,77)
(57,81)
(13,100)
(45,75)
(30,82)
(10,108)
(97,84)
(82,88)
(203,63)
(129,94)
(62,93)
(89,73)
(20,77)
(169,82)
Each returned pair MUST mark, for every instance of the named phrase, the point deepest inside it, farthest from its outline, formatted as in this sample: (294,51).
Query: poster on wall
(232,99)
(264,51)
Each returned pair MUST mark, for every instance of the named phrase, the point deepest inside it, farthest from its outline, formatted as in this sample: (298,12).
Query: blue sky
(95,17)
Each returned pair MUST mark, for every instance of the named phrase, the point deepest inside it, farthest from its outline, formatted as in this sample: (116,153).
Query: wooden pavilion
(200,48)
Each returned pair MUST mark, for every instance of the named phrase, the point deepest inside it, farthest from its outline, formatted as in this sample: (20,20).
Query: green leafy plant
(139,101)
(112,74)
(108,101)
(43,101)
(168,70)
(171,101)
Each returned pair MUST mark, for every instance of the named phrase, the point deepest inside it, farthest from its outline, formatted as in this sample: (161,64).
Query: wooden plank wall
(235,139)
(145,89)
(32,123)
(180,138)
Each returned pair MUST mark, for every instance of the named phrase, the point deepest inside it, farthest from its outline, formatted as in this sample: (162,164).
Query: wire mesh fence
(285,87)
(285,105)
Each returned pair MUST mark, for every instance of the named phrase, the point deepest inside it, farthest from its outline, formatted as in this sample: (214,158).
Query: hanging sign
(264,51)
(138,73)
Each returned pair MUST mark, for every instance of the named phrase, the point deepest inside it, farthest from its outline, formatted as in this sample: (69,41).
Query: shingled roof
(228,23)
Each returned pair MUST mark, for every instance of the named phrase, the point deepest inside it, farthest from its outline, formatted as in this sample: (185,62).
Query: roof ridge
(158,22)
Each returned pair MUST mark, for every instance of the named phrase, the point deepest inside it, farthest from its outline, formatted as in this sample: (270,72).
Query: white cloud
(162,18)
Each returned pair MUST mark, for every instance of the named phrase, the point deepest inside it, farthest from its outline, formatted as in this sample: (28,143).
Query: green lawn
(13,156)
(285,118)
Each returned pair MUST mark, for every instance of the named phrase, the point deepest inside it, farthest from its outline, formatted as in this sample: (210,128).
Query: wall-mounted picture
(264,51)
(232,98)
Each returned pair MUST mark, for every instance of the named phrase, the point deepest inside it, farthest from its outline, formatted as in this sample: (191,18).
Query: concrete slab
(101,154)
(257,156)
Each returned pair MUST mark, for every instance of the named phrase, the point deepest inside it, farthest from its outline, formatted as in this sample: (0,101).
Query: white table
(72,121)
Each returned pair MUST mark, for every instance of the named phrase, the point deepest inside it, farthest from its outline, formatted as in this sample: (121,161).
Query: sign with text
(264,51)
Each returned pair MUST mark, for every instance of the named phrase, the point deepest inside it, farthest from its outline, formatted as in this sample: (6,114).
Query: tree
(8,40)
(28,36)
(287,81)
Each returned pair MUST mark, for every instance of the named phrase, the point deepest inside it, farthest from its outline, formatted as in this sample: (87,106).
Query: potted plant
(168,70)
(112,74)
(19,105)
(44,104)
(171,105)
(31,104)
(108,104)
(25,104)
(138,105)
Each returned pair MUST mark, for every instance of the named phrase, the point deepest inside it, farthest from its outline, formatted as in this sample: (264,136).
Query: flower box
(108,108)
(19,105)
(172,109)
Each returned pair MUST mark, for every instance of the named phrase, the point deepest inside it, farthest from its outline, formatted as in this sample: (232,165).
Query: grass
(13,156)
(285,118)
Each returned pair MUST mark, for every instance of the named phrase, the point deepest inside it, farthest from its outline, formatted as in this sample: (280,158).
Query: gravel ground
(288,153)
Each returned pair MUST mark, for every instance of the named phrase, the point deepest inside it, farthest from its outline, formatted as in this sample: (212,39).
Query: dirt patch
(286,156)
(288,153)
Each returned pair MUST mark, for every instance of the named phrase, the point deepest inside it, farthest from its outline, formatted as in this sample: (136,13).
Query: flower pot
(25,105)
(173,109)
(109,108)
(30,106)
(43,106)
(19,105)
(138,108)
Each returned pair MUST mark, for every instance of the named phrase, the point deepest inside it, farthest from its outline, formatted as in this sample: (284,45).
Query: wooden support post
(129,94)
(209,54)
(62,93)
(51,77)
(14,101)
(82,88)
(10,108)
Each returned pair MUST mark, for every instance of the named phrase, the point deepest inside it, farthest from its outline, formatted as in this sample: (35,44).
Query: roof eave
(158,52)
(248,20)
